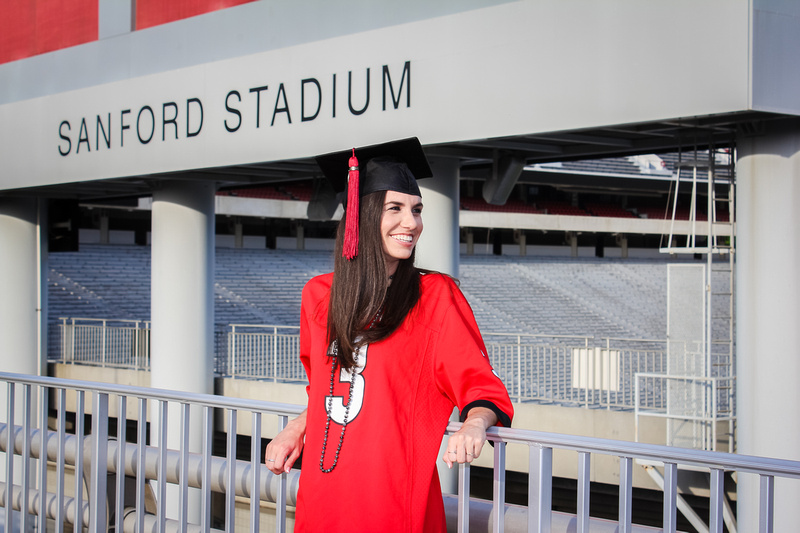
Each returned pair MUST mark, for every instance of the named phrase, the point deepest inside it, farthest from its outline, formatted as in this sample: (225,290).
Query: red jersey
(404,391)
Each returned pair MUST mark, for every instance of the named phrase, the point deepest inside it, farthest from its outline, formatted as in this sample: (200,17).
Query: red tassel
(350,249)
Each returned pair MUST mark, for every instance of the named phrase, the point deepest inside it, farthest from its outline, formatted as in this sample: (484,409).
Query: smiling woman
(389,350)
(401,226)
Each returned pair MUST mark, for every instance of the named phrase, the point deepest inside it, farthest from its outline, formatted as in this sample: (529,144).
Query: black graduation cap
(392,166)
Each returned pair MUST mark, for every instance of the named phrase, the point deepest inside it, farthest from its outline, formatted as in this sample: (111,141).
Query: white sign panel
(518,68)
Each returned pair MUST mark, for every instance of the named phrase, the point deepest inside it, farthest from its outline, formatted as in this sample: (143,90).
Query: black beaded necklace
(328,408)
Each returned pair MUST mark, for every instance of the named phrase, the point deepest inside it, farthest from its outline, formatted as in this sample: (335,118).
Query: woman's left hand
(465,444)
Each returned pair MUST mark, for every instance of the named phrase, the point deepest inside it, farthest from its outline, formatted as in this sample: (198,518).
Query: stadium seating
(527,294)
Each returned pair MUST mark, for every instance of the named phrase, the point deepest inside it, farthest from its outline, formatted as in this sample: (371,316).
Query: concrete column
(572,238)
(768,312)
(438,248)
(104,230)
(301,236)
(22,317)
(470,243)
(182,304)
(23,302)
(238,231)
(622,241)
(520,235)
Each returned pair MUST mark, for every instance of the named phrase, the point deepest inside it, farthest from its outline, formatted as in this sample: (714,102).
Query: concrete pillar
(622,241)
(23,304)
(520,237)
(470,243)
(23,319)
(438,248)
(104,230)
(768,312)
(301,236)
(572,239)
(238,234)
(182,304)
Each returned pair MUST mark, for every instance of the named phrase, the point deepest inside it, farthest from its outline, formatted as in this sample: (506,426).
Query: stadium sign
(247,108)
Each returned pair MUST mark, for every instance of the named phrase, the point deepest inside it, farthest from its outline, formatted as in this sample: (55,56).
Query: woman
(389,350)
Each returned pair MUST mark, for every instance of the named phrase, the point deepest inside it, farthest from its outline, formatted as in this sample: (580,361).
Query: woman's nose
(409,220)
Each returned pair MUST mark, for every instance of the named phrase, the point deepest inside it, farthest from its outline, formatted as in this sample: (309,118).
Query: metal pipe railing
(209,473)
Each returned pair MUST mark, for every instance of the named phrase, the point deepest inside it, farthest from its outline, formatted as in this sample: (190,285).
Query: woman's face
(401,226)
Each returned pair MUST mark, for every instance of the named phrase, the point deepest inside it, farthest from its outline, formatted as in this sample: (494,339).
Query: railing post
(499,492)
(183,513)
(540,489)
(766,504)
(122,422)
(625,494)
(255,480)
(60,460)
(161,472)
(44,408)
(105,327)
(78,497)
(519,367)
(275,354)
(670,497)
(584,489)
(463,498)
(717,494)
(98,522)
(26,456)
(141,454)
(230,462)
(280,497)
(10,408)
(72,341)
(232,344)
(136,345)
(208,429)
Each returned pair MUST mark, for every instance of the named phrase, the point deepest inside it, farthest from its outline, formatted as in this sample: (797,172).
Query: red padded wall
(154,12)
(31,27)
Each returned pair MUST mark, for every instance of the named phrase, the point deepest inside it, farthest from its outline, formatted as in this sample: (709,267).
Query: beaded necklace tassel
(328,407)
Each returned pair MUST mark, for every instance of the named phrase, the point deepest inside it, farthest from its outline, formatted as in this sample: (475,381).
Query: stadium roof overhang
(476,158)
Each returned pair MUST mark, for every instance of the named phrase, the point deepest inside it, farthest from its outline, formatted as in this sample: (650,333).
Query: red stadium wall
(31,27)
(154,12)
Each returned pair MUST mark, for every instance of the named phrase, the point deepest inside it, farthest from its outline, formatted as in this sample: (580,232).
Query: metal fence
(104,342)
(264,352)
(30,450)
(566,370)
(574,370)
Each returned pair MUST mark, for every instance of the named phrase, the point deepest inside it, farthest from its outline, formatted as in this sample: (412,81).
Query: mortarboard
(392,166)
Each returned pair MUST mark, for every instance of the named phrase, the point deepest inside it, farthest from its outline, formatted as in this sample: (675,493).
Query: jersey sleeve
(463,371)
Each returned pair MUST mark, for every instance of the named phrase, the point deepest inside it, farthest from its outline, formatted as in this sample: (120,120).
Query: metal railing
(574,370)
(697,408)
(563,369)
(264,352)
(105,342)
(30,448)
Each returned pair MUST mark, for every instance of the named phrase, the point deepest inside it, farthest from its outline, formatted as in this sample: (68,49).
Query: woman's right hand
(285,448)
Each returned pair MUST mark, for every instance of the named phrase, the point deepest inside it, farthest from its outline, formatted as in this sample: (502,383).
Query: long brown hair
(361,290)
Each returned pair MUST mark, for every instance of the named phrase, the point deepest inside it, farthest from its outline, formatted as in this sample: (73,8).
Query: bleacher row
(528,294)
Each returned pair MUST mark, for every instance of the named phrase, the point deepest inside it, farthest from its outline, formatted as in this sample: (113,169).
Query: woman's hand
(465,444)
(285,448)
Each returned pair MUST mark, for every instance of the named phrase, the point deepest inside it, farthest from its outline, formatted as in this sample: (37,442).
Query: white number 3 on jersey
(335,404)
